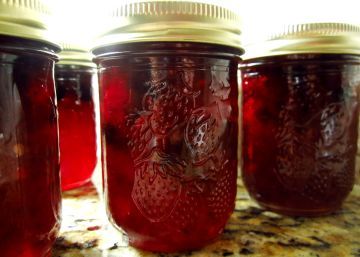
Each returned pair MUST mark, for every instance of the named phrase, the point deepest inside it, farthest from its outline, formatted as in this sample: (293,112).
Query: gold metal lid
(75,54)
(172,21)
(26,19)
(332,38)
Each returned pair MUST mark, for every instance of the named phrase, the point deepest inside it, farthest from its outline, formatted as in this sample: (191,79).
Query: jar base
(75,185)
(154,245)
(299,212)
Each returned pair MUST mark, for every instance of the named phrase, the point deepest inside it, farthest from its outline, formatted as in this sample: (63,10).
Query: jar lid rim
(324,37)
(171,21)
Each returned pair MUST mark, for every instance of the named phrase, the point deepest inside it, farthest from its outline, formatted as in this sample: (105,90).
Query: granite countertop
(251,231)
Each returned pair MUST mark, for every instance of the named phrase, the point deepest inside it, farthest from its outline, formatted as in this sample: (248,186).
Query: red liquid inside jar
(300,120)
(77,124)
(169,139)
(29,163)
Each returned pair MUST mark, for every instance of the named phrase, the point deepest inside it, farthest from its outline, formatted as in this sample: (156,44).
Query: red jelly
(169,129)
(169,118)
(169,113)
(300,120)
(29,159)
(77,122)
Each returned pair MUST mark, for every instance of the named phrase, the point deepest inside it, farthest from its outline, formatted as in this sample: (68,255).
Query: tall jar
(29,158)
(168,99)
(76,85)
(300,118)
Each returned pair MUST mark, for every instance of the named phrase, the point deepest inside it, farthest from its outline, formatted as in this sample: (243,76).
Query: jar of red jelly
(300,94)
(168,100)
(76,85)
(29,157)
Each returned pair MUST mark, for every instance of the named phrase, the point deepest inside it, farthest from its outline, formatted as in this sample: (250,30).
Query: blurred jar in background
(76,86)
(300,118)
(169,114)
(29,159)
(357,171)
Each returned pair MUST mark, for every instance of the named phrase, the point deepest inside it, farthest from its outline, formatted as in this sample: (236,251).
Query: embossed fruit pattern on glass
(29,162)
(300,120)
(77,124)
(169,136)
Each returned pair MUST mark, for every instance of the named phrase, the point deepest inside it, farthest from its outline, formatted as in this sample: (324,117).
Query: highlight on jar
(300,118)
(30,196)
(77,87)
(169,120)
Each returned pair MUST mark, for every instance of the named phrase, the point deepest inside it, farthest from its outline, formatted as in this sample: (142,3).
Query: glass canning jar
(29,159)
(169,118)
(300,118)
(76,86)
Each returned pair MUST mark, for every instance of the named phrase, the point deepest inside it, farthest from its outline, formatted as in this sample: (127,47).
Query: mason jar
(76,85)
(300,118)
(168,100)
(29,157)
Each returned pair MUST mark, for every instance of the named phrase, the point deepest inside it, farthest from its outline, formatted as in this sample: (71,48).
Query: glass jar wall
(29,159)
(169,140)
(300,92)
(300,120)
(75,86)
(169,118)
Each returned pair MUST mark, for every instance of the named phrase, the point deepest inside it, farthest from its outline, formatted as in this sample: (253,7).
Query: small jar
(168,100)
(300,118)
(29,158)
(76,85)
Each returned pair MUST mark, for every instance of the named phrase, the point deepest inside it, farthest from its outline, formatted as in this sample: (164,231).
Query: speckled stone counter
(251,231)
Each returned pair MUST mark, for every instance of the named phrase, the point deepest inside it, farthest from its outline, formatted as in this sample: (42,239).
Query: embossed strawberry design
(169,106)
(313,163)
(186,214)
(157,185)
(221,197)
(139,134)
(332,163)
(203,132)
(220,86)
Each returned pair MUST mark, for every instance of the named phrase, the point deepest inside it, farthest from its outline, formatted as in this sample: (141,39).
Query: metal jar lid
(26,19)
(75,54)
(172,21)
(331,38)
